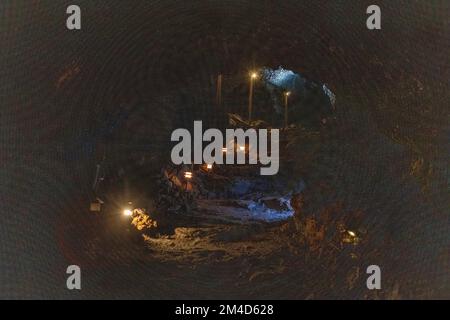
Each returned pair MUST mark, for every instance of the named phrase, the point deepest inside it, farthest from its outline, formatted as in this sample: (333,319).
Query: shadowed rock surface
(135,72)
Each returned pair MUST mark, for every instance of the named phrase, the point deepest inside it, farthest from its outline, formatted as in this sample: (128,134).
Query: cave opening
(230,193)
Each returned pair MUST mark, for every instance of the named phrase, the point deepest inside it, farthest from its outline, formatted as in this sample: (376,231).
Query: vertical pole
(219,91)
(286,110)
(250,100)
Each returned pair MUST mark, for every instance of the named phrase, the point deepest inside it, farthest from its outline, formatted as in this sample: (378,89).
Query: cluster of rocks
(142,221)
(176,192)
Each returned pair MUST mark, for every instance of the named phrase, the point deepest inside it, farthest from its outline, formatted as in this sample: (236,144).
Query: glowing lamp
(127,212)
(188,175)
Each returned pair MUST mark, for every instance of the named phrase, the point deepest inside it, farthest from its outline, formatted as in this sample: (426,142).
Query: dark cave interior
(364,158)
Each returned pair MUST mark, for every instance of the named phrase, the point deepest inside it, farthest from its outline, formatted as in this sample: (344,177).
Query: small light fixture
(127,212)
(188,175)
(224,150)
(209,166)
(253,75)
(351,233)
(242,148)
(287,93)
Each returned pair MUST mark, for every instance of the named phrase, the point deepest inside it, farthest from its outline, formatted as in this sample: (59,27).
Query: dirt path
(228,259)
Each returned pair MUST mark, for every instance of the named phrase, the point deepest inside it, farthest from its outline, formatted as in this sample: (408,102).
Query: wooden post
(250,100)
(219,91)
(285,110)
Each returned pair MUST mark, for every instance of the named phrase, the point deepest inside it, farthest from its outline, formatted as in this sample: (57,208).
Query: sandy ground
(211,260)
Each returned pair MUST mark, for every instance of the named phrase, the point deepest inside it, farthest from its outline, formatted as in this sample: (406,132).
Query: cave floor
(209,258)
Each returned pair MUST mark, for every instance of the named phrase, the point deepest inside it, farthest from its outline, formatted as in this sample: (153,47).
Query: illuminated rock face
(295,83)
(284,79)
(309,102)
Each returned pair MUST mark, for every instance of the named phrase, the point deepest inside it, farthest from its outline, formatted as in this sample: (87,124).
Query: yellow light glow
(351,233)
(253,75)
(209,166)
(288,93)
(127,212)
(224,149)
(188,175)
(242,148)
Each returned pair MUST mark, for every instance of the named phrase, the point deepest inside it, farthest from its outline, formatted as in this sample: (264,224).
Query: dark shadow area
(87,117)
